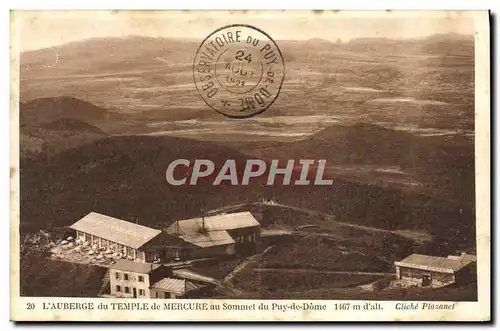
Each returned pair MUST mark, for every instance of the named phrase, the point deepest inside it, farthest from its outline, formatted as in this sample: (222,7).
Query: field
(272,281)
(321,253)
(468,293)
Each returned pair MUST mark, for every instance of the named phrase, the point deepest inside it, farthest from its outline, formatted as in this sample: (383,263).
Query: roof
(176,286)
(466,258)
(165,241)
(190,274)
(138,267)
(220,222)
(436,263)
(115,230)
(211,231)
(208,239)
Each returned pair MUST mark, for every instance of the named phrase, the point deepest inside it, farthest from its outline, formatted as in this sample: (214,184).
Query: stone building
(435,271)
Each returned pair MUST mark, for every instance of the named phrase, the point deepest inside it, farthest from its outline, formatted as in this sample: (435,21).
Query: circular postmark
(238,70)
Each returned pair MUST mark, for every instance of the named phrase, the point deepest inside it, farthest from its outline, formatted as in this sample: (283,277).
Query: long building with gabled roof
(132,240)
(224,234)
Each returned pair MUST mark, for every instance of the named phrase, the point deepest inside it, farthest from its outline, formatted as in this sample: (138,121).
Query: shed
(174,288)
(435,271)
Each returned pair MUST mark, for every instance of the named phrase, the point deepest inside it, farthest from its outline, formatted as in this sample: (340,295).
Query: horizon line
(191,39)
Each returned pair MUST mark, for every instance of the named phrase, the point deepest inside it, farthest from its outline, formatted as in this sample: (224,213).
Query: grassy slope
(40,276)
(125,177)
(466,293)
(122,177)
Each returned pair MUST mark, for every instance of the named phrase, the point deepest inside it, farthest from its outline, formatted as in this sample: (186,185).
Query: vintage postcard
(250,166)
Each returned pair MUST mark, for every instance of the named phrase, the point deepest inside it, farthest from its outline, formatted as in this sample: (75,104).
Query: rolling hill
(44,110)
(439,165)
(51,125)
(120,176)
(71,124)
(51,138)
(125,177)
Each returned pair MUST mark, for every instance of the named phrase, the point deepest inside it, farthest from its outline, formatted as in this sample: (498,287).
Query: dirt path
(417,237)
(188,274)
(313,212)
(188,263)
(243,264)
(228,208)
(358,273)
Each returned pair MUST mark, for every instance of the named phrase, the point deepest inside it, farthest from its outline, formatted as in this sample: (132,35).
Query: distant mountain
(51,125)
(450,36)
(46,110)
(105,55)
(438,44)
(74,125)
(50,139)
(360,144)
(114,54)
(140,74)
(365,143)
(443,164)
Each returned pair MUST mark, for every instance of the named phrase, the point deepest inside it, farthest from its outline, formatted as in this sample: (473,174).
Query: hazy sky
(45,29)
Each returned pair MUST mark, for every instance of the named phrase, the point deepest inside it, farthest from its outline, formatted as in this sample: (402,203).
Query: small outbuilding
(436,271)
(173,288)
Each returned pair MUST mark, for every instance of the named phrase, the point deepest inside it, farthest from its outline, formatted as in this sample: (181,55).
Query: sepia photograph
(249,155)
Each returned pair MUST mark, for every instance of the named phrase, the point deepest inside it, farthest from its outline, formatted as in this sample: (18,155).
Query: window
(118,288)
(141,256)
(125,276)
(141,279)
(142,292)
(157,295)
(127,289)
(117,275)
